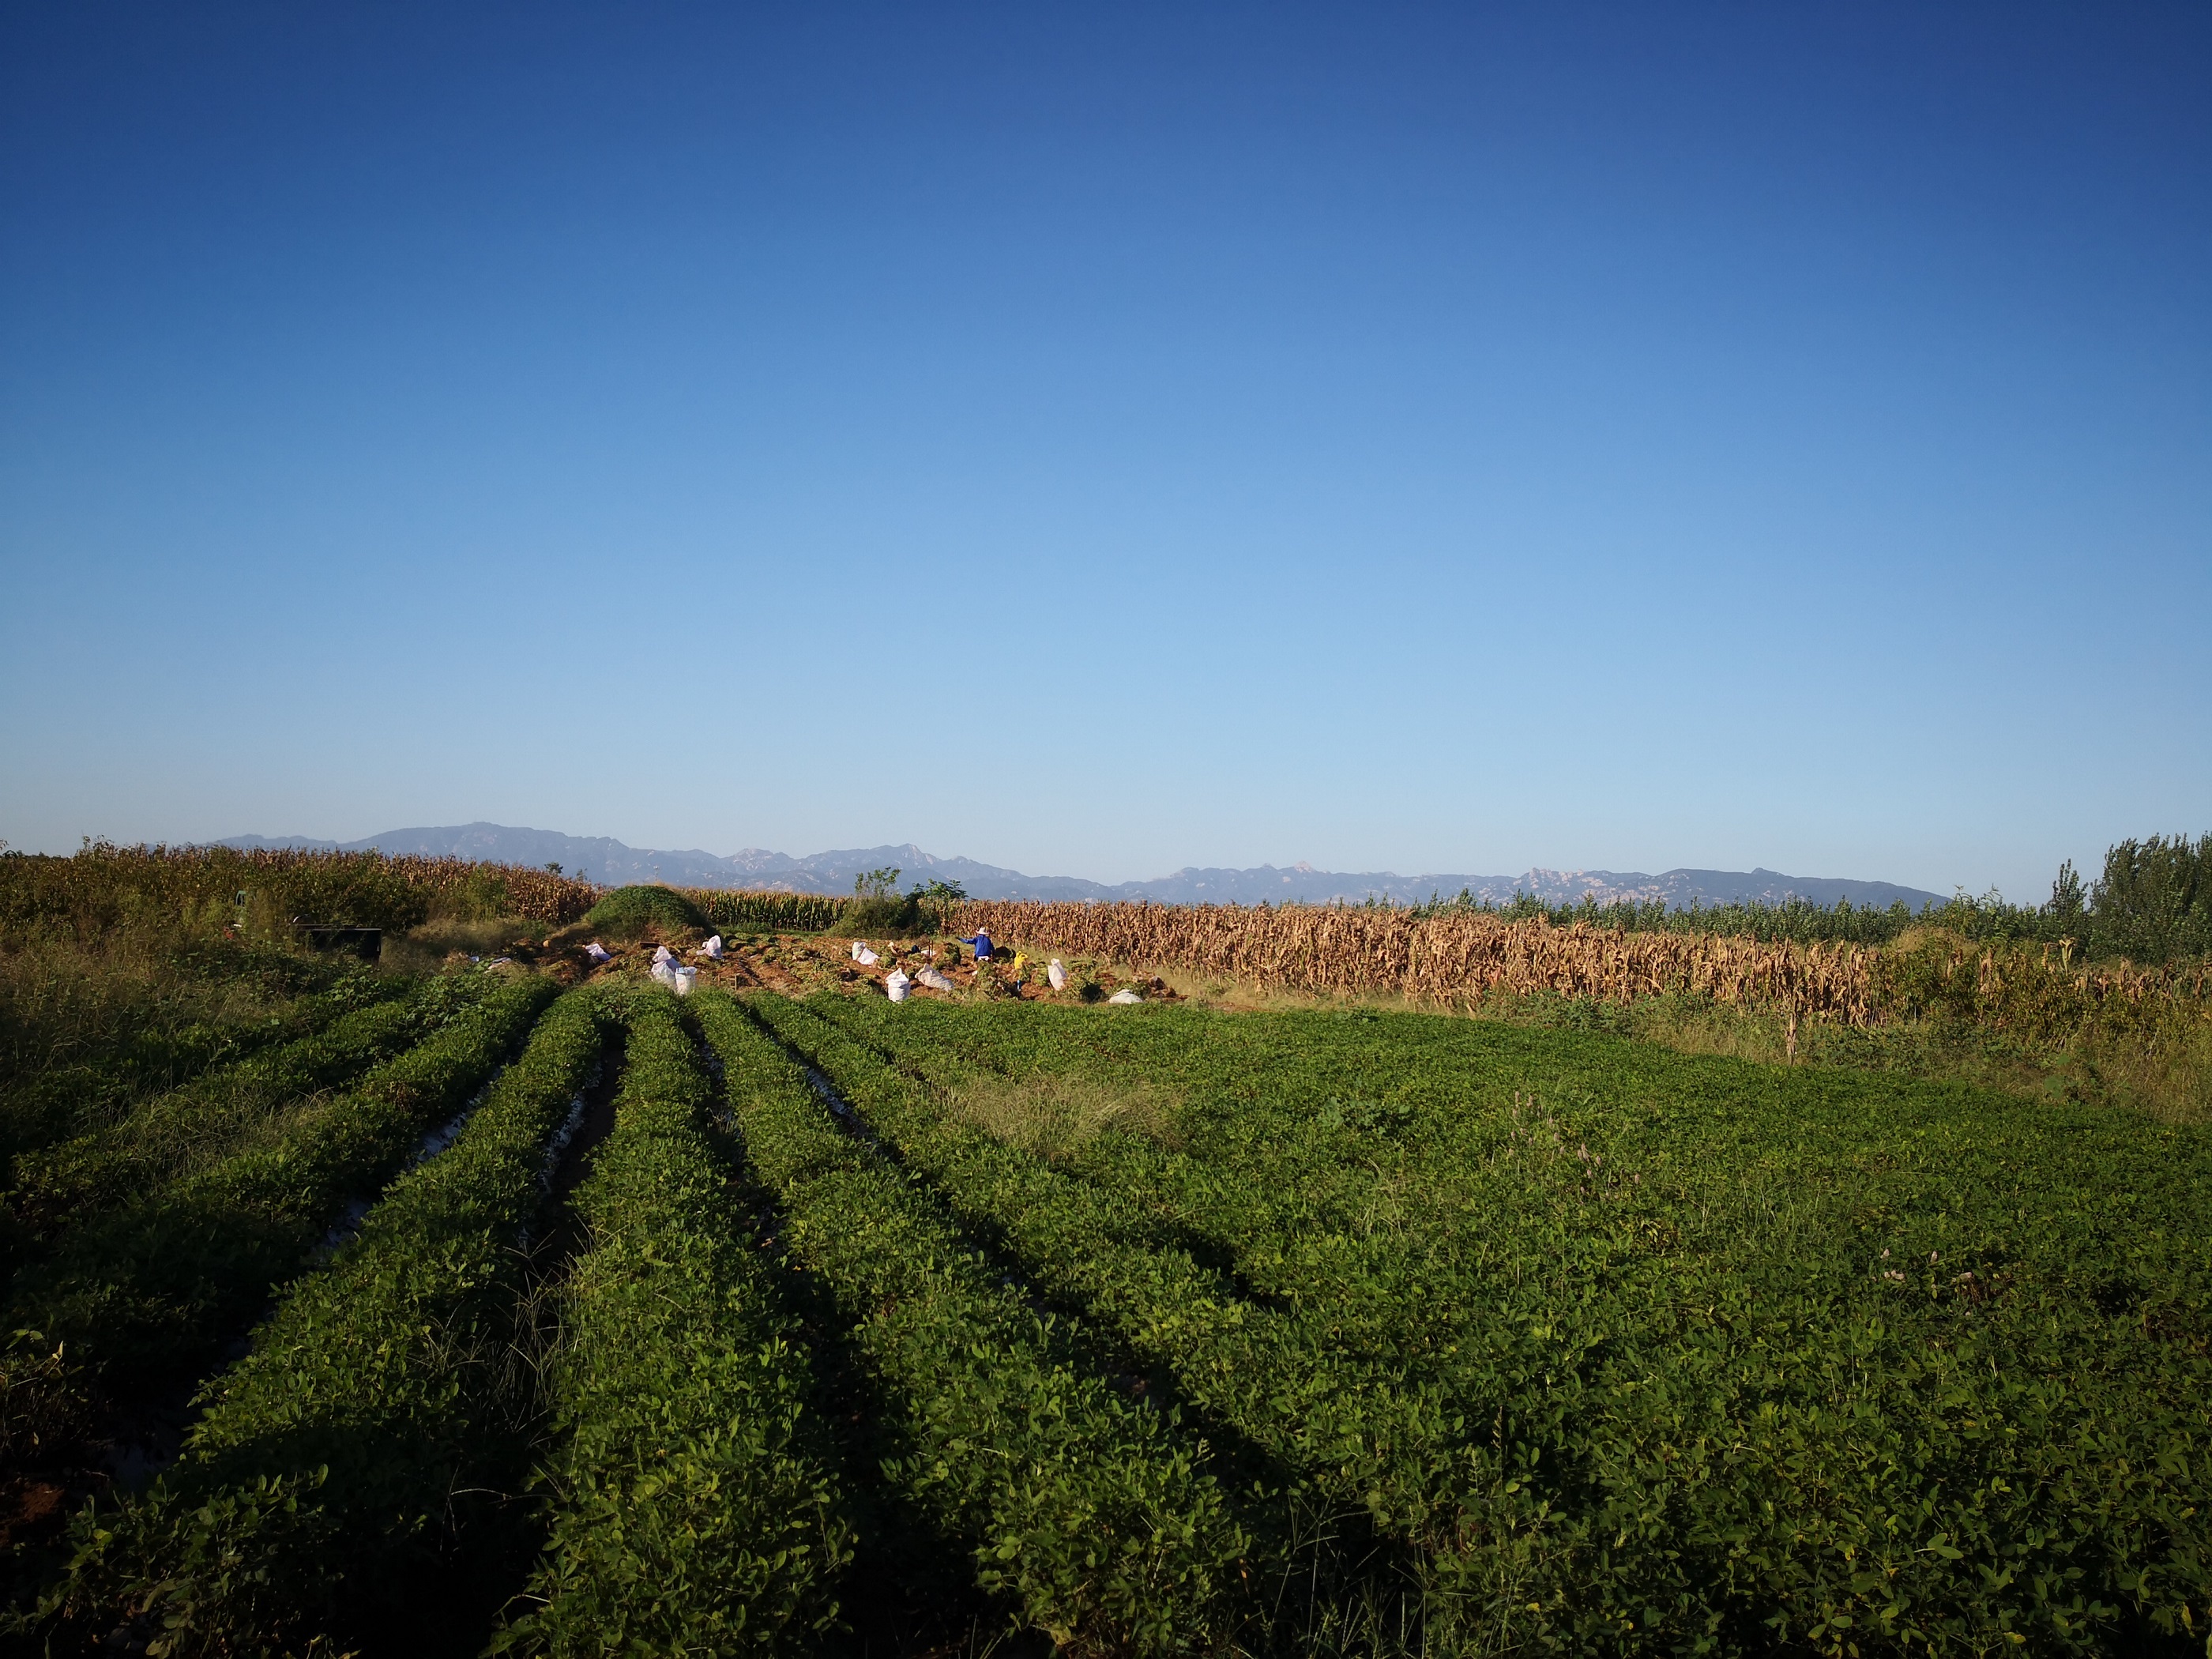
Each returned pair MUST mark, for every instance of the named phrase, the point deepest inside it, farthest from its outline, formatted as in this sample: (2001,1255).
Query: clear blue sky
(1101,439)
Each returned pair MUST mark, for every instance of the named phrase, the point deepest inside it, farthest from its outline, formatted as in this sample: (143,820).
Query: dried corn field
(1440,959)
(104,885)
(1454,960)
(769,907)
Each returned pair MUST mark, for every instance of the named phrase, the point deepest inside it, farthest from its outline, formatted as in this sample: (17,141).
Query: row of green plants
(2151,903)
(1742,1356)
(1361,1443)
(74,1204)
(1331,1346)
(1577,1344)
(1340,1395)
(57,1187)
(694,1506)
(67,1094)
(1089,1512)
(354,1477)
(1291,1185)
(152,1290)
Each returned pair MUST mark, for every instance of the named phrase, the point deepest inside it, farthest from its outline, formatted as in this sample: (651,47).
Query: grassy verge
(693,1510)
(2159,1064)
(337,1485)
(1092,1514)
(2156,1059)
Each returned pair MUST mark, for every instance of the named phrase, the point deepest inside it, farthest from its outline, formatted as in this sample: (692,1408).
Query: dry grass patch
(426,949)
(1053,1115)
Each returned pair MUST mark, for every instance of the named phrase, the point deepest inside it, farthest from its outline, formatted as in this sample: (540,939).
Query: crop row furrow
(167,1138)
(1730,1443)
(342,1479)
(1360,1429)
(68,1100)
(695,1510)
(1290,1203)
(156,1288)
(1094,1514)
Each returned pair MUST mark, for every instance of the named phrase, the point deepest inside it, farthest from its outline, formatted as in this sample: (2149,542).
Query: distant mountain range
(598,858)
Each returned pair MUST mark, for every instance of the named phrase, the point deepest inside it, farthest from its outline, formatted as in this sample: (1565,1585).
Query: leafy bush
(628,911)
(2154,902)
(695,1513)
(878,917)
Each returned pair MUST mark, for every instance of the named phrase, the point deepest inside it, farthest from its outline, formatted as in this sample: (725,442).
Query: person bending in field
(982,942)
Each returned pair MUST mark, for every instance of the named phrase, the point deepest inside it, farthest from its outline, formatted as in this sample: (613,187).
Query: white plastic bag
(712,950)
(661,953)
(681,979)
(596,951)
(1125,996)
(1057,975)
(665,974)
(932,978)
(897,984)
(864,955)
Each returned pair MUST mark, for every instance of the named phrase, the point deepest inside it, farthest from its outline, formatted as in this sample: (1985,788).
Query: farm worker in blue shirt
(982,943)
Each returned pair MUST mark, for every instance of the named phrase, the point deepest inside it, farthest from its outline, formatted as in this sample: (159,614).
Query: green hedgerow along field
(448,1308)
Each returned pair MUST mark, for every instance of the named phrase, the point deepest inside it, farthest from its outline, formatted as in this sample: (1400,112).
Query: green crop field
(536,1309)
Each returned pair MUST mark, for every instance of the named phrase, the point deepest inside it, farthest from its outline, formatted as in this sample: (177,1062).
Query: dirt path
(802,964)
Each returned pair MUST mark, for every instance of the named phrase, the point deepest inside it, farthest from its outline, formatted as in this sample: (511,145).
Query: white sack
(712,950)
(896,985)
(932,978)
(682,979)
(1125,996)
(661,953)
(596,951)
(1057,975)
(865,957)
